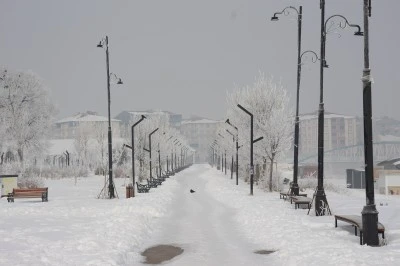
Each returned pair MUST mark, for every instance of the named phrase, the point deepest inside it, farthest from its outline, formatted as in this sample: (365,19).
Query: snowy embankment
(302,239)
(76,228)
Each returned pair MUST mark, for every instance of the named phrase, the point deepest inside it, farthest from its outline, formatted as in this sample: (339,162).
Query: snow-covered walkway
(203,227)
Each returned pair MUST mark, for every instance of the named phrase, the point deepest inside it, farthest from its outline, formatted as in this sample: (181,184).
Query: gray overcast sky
(184,55)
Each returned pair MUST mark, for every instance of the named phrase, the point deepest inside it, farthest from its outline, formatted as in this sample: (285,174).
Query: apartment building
(128,117)
(339,131)
(199,132)
(88,123)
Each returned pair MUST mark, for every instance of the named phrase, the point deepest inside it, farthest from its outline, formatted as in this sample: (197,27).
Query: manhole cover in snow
(264,251)
(161,253)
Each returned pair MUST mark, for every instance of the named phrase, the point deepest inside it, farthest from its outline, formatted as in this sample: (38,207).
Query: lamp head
(227,121)
(359,33)
(100,45)
(119,81)
(143,117)
(274,18)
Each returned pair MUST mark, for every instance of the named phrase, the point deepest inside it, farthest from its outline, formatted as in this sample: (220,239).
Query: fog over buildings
(183,56)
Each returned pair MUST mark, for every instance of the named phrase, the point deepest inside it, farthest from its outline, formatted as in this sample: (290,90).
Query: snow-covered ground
(219,224)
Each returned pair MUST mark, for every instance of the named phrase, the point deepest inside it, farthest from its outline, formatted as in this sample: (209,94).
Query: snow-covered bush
(122,171)
(57,173)
(312,183)
(277,181)
(30,182)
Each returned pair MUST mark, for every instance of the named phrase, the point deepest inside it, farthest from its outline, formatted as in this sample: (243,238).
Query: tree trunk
(21,155)
(271,168)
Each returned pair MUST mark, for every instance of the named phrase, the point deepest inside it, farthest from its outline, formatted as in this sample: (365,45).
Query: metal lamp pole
(320,197)
(111,188)
(154,131)
(294,189)
(233,140)
(237,150)
(217,159)
(222,163)
(369,212)
(251,147)
(159,160)
(167,155)
(176,162)
(133,152)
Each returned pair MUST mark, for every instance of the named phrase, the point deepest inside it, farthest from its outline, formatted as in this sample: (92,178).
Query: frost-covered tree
(142,131)
(101,147)
(268,102)
(26,113)
(81,144)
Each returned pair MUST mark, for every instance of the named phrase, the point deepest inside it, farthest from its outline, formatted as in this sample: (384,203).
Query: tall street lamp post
(180,160)
(237,149)
(159,160)
(176,163)
(167,156)
(294,189)
(133,151)
(149,151)
(233,140)
(217,149)
(173,161)
(369,212)
(252,141)
(223,163)
(321,203)
(111,188)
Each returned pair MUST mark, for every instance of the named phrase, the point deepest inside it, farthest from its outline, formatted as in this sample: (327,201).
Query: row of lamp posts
(236,137)
(369,212)
(111,187)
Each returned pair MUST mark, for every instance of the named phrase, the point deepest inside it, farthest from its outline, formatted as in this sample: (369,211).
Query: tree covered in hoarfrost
(155,120)
(268,102)
(101,137)
(81,144)
(26,113)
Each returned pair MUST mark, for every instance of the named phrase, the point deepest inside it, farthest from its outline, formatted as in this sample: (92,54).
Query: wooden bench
(356,221)
(300,200)
(29,193)
(285,195)
(151,184)
(162,178)
(166,175)
(142,188)
(157,181)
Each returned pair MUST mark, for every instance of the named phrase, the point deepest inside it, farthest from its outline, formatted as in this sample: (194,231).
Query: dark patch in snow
(264,251)
(161,253)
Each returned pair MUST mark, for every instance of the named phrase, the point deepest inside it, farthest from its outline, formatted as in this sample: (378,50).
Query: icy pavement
(203,227)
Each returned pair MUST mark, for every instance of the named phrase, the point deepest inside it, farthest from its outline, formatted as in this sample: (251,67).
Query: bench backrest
(357,220)
(29,190)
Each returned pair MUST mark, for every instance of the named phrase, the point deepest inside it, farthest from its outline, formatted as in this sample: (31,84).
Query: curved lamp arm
(285,11)
(343,24)
(314,57)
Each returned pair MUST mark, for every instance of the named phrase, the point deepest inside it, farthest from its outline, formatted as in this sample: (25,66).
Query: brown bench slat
(356,221)
(298,200)
(28,193)
(284,195)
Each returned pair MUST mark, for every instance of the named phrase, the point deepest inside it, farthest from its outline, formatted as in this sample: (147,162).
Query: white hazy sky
(184,55)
